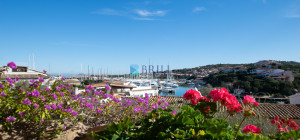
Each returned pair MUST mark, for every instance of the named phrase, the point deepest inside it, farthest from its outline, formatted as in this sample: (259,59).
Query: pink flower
(47,107)
(192,95)
(204,99)
(45,71)
(60,105)
(47,89)
(12,65)
(43,98)
(89,87)
(174,112)
(107,87)
(248,100)
(35,105)
(74,113)
(98,111)
(17,79)
(41,79)
(58,88)
(3,94)
(22,113)
(54,96)
(275,120)
(218,94)
(251,128)
(26,102)
(96,92)
(255,104)
(282,130)
(10,119)
(53,106)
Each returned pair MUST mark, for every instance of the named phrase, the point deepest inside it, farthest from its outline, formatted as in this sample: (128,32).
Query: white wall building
(25,73)
(295,99)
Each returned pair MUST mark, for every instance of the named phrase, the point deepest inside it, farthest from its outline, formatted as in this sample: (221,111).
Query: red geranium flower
(248,100)
(192,95)
(251,128)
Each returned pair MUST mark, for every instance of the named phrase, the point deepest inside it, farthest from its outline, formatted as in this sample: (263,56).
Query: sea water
(179,91)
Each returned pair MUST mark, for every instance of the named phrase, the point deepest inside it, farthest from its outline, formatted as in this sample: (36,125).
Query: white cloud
(135,15)
(146,13)
(198,9)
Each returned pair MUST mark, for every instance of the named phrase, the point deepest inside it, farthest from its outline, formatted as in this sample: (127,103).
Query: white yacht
(168,90)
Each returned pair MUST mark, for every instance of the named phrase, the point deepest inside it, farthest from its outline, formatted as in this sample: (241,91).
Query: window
(20,69)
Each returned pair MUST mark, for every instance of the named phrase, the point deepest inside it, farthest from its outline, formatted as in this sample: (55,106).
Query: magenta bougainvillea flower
(59,105)
(107,87)
(41,79)
(57,88)
(10,119)
(98,111)
(3,94)
(12,65)
(53,106)
(35,105)
(22,113)
(26,102)
(174,112)
(47,107)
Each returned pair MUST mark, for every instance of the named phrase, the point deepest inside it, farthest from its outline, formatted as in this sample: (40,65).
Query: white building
(25,73)
(295,99)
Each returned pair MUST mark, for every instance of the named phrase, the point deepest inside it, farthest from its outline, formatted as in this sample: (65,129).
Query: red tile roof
(291,111)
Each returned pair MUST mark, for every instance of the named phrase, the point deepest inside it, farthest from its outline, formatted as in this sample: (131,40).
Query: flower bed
(196,121)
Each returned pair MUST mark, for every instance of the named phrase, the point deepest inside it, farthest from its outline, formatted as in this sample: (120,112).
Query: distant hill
(251,82)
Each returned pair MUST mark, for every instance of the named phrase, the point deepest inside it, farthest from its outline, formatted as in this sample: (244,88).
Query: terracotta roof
(172,100)
(118,82)
(98,84)
(72,81)
(291,111)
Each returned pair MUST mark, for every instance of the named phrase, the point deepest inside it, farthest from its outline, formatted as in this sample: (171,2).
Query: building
(238,91)
(267,64)
(25,73)
(72,82)
(295,99)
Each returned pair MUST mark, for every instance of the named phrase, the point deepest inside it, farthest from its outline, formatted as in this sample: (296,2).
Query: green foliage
(190,123)
(252,83)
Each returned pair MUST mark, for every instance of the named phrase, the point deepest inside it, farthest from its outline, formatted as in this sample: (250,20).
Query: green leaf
(187,120)
(115,137)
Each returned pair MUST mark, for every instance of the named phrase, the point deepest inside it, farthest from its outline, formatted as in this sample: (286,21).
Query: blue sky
(112,34)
